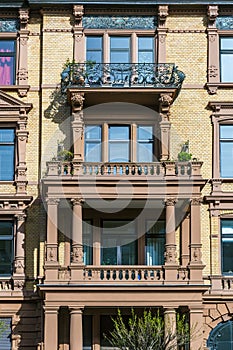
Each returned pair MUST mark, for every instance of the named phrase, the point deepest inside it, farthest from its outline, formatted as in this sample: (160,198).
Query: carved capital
(19,283)
(19,266)
(216,185)
(212,13)
(196,201)
(168,202)
(77,201)
(77,100)
(78,11)
(52,201)
(20,217)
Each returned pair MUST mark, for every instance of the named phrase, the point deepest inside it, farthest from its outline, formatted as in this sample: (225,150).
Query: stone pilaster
(77,100)
(23,54)
(22,137)
(76,329)
(165,125)
(162,33)
(50,327)
(19,262)
(79,40)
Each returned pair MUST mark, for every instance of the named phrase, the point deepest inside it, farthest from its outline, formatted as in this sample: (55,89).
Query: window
(7,62)
(155,243)
(6,247)
(221,337)
(226,150)
(94,49)
(118,143)
(145,143)
(227,245)
(122,49)
(5,338)
(145,49)
(226,59)
(87,332)
(7,154)
(119,243)
(87,243)
(93,143)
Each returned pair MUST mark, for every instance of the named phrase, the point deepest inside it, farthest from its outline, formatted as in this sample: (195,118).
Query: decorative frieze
(119,22)
(9,25)
(224,22)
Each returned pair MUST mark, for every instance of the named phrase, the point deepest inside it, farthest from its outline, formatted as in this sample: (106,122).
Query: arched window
(221,337)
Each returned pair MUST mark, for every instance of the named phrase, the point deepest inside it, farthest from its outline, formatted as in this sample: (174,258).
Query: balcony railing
(154,169)
(121,75)
(124,274)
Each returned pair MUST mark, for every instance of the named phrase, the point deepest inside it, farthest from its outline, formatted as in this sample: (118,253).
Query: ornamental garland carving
(119,22)
(224,22)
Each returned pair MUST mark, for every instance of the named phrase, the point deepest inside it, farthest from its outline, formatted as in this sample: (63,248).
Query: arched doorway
(221,337)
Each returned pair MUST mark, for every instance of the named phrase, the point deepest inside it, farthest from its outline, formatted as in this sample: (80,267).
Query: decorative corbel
(78,12)
(162,15)
(212,14)
(77,100)
(165,104)
(23,17)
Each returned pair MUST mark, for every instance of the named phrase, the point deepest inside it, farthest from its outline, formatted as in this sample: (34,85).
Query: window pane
(226,43)
(93,132)
(87,332)
(6,228)
(120,42)
(155,243)
(5,338)
(93,152)
(118,132)
(120,57)
(7,135)
(5,257)
(227,246)
(145,43)
(95,56)
(226,132)
(6,163)
(119,152)
(94,42)
(7,62)
(226,156)
(87,243)
(145,57)
(145,152)
(145,133)
(226,67)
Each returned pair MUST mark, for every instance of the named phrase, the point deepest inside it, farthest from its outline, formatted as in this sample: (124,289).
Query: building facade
(116,153)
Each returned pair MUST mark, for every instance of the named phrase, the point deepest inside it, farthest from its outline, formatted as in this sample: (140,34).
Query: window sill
(22,90)
(213,87)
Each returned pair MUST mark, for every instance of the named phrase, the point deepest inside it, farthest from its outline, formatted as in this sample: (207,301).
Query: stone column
(79,39)
(162,33)
(22,137)
(165,125)
(23,51)
(185,238)
(51,260)
(51,328)
(170,246)
(76,329)
(170,327)
(77,240)
(77,100)
(196,327)
(96,332)
(19,262)
(195,265)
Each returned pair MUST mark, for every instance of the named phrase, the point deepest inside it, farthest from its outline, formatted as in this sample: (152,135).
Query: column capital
(51,309)
(20,217)
(52,201)
(76,309)
(77,201)
(169,202)
(196,201)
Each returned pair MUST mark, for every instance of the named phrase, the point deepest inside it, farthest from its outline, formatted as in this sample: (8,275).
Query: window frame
(221,142)
(221,52)
(155,236)
(230,273)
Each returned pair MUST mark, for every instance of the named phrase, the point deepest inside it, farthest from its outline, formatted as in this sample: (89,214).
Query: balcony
(156,170)
(121,75)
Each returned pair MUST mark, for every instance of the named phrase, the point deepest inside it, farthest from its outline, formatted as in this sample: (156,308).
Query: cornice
(130,2)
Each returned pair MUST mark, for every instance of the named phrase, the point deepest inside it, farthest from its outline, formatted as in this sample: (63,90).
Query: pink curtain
(6,69)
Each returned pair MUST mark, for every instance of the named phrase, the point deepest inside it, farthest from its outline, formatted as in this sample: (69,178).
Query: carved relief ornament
(24,15)
(77,254)
(212,13)
(77,201)
(170,202)
(77,100)
(78,12)
(163,13)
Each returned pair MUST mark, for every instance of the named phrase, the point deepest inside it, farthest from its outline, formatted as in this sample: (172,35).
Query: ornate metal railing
(120,75)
